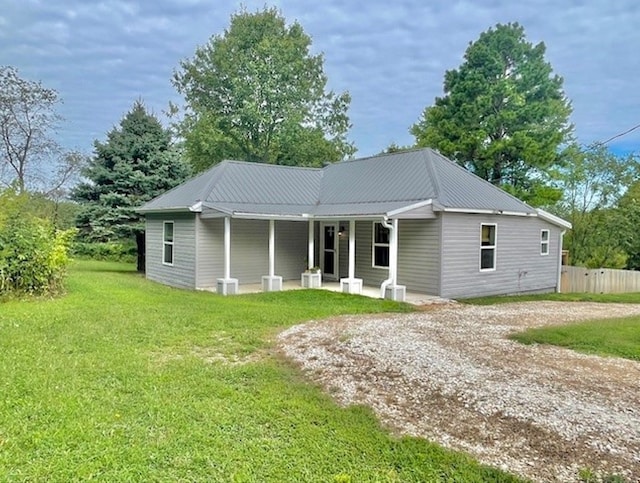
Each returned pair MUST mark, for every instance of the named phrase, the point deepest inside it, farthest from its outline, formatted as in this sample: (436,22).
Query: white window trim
(488,247)
(543,242)
(165,243)
(374,245)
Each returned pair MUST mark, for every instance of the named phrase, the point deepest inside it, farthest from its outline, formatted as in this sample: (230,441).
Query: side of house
(493,254)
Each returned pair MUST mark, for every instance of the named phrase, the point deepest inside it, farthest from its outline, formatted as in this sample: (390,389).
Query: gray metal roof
(369,186)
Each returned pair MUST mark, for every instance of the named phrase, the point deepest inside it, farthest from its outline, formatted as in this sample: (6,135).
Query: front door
(329,251)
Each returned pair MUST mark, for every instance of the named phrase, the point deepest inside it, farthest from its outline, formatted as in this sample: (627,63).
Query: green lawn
(616,298)
(617,337)
(127,380)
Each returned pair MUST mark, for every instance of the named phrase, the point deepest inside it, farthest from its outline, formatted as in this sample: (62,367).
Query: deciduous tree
(257,93)
(137,163)
(503,115)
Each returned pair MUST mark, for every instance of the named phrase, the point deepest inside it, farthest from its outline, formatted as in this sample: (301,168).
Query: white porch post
(311,249)
(393,253)
(272,248)
(272,282)
(352,249)
(227,247)
(352,284)
(308,278)
(227,285)
(390,288)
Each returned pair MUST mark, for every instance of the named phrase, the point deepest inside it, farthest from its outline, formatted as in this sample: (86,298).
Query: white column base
(227,286)
(351,285)
(395,292)
(271,283)
(311,279)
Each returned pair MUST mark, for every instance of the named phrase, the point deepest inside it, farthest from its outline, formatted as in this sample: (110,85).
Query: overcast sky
(391,56)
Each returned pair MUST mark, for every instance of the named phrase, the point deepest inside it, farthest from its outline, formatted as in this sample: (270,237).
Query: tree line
(256,92)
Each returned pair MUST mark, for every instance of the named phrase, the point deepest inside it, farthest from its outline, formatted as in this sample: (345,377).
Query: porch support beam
(272,282)
(227,285)
(311,249)
(352,284)
(390,288)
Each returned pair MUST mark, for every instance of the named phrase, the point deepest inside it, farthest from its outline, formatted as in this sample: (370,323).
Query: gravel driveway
(449,374)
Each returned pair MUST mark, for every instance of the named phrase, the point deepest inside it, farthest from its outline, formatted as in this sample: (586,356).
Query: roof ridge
(431,170)
(382,155)
(280,166)
(208,189)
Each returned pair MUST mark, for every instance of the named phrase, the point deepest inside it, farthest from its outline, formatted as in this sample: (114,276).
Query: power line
(621,134)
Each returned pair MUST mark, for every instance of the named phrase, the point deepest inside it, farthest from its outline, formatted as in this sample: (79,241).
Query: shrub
(33,254)
(111,251)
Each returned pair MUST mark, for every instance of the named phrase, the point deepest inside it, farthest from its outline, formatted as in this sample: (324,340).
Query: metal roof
(376,185)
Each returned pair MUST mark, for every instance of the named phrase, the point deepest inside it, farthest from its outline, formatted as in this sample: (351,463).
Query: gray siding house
(403,221)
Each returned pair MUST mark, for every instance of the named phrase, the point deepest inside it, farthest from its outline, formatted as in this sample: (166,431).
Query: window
(488,247)
(544,242)
(380,246)
(167,243)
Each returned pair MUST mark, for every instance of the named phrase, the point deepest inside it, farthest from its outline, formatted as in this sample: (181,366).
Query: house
(404,221)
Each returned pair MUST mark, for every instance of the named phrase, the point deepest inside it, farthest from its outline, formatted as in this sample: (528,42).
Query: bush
(111,251)
(33,256)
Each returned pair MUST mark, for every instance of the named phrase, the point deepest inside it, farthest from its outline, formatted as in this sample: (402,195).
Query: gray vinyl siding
(519,266)
(291,249)
(418,255)
(182,272)
(249,250)
(210,251)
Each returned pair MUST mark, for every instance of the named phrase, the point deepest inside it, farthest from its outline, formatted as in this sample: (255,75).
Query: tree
(137,163)
(593,180)
(503,114)
(257,93)
(29,156)
(629,206)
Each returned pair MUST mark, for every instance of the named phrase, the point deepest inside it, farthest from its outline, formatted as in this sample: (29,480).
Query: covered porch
(371,291)
(330,254)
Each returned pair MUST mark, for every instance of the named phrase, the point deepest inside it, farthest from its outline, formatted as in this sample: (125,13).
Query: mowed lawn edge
(122,379)
(609,337)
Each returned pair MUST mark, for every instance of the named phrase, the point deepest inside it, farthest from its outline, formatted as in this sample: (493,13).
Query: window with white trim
(167,242)
(380,254)
(544,242)
(488,239)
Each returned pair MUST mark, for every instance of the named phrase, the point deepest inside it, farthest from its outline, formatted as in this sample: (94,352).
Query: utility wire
(619,135)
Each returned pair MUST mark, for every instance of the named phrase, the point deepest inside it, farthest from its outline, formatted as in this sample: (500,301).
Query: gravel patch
(449,374)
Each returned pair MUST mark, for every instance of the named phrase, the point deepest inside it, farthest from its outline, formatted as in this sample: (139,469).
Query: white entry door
(329,251)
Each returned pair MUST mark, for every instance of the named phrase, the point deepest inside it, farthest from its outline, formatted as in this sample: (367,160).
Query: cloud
(391,56)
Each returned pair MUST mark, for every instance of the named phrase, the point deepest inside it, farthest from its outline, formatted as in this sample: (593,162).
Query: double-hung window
(380,255)
(488,239)
(167,243)
(544,242)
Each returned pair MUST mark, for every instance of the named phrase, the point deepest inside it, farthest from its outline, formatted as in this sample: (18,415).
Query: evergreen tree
(137,163)
(503,115)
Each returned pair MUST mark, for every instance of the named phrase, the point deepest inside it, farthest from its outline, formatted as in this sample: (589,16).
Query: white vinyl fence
(599,280)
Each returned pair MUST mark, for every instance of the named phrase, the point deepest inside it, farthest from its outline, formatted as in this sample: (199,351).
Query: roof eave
(553,219)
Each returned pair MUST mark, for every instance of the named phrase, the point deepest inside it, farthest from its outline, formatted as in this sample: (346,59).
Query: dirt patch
(450,374)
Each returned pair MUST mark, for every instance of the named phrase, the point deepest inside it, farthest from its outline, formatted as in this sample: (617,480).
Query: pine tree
(137,163)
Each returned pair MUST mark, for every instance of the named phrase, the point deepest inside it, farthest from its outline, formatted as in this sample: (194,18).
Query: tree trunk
(141,251)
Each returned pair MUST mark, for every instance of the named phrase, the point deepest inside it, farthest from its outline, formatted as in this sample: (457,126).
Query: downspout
(558,286)
(392,268)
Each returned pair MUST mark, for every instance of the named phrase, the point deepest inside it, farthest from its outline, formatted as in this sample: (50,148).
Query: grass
(126,380)
(617,298)
(617,337)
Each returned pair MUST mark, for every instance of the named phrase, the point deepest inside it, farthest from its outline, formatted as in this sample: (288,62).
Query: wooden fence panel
(600,280)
